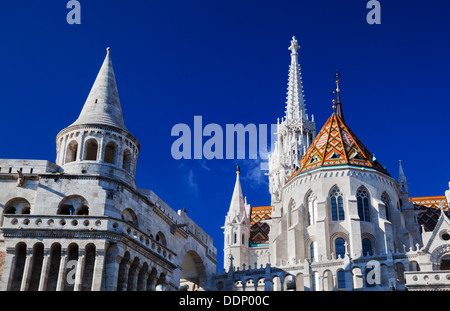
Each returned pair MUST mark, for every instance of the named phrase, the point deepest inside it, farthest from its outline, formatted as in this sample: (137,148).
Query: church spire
(338,103)
(402,178)
(102,105)
(237,206)
(295,103)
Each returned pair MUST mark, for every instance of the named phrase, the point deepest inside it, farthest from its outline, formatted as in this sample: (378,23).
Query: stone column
(8,270)
(79,271)
(44,271)
(98,270)
(62,269)
(27,270)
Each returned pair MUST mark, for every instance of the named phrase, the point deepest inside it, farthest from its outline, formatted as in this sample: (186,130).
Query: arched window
(291,214)
(366,247)
(90,149)
(161,238)
(313,250)
(341,279)
(130,217)
(337,204)
(387,205)
(110,152)
(339,245)
(126,161)
(311,202)
(362,197)
(73,205)
(71,152)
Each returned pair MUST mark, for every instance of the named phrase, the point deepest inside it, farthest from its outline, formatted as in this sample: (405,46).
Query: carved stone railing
(22,225)
(428,280)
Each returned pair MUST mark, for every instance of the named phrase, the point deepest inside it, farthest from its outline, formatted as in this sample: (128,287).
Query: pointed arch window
(387,205)
(291,214)
(311,203)
(337,204)
(366,247)
(363,199)
(339,245)
(313,250)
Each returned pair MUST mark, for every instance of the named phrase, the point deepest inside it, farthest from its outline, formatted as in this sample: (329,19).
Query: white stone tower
(98,141)
(236,228)
(295,132)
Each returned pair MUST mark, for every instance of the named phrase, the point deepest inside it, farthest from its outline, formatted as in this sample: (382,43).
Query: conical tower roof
(102,106)
(237,211)
(337,145)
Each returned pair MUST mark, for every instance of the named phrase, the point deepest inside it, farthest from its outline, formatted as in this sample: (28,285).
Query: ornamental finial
(294,47)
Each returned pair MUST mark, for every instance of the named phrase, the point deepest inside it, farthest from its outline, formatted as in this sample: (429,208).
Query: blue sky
(227,61)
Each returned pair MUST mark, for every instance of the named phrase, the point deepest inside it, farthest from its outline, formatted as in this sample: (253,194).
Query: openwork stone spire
(103,105)
(295,103)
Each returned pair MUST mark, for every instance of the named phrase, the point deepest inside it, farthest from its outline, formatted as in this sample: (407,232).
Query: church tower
(236,228)
(295,131)
(98,143)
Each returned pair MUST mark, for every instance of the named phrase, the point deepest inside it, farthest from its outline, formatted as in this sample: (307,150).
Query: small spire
(338,103)
(238,169)
(294,47)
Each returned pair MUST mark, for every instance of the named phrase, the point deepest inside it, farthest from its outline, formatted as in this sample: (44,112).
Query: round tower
(98,143)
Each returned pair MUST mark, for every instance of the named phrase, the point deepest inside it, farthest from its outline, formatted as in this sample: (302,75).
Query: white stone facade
(81,223)
(336,227)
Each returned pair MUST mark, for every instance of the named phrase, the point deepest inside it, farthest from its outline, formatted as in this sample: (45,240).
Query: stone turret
(98,143)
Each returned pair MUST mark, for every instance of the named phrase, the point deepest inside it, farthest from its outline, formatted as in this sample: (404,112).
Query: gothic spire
(237,205)
(295,103)
(102,106)
(402,178)
(338,103)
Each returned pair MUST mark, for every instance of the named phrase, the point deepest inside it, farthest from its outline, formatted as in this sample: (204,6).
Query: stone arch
(19,265)
(276,281)
(127,161)
(55,261)
(328,281)
(368,242)
(336,199)
(400,273)
(161,283)
(121,276)
(89,263)
(129,216)
(161,238)
(72,255)
(364,204)
(413,266)
(300,282)
(73,205)
(110,155)
(193,271)
(141,285)
(311,207)
(132,275)
(90,149)
(289,282)
(261,284)
(36,266)
(151,279)
(337,248)
(357,278)
(71,152)
(17,205)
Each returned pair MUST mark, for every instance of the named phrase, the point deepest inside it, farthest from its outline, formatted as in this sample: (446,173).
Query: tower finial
(338,103)
(294,47)
(238,169)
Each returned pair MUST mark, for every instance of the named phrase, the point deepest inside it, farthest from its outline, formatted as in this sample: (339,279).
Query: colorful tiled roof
(259,232)
(336,145)
(430,210)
